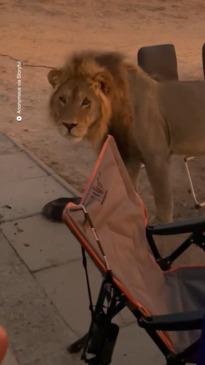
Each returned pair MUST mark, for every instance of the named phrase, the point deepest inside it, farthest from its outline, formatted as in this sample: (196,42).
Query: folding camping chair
(110,224)
(160,62)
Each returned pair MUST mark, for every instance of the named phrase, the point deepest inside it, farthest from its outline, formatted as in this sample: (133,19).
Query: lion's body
(183,105)
(104,94)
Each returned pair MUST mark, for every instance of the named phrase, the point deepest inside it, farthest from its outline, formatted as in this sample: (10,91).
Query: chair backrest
(159,61)
(118,215)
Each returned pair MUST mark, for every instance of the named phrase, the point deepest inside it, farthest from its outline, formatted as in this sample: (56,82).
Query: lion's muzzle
(69,126)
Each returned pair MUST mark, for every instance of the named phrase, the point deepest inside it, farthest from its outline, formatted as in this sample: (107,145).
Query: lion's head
(81,103)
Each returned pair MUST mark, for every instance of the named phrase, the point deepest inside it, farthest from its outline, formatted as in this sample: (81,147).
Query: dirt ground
(40,34)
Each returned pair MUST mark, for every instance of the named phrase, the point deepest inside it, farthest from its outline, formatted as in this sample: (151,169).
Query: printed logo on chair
(98,192)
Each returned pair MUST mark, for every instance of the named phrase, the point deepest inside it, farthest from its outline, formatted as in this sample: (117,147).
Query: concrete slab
(134,346)
(17,167)
(48,170)
(41,243)
(66,286)
(36,330)
(7,146)
(54,358)
(126,318)
(26,197)
(9,359)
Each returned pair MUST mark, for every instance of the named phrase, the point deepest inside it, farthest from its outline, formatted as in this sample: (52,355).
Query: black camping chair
(110,225)
(160,62)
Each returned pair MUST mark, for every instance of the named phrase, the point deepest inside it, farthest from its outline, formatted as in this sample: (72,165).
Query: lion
(100,93)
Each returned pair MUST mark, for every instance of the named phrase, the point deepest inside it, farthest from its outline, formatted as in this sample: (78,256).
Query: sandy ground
(40,34)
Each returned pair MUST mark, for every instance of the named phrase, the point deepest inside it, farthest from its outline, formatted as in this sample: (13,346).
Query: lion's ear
(103,81)
(54,77)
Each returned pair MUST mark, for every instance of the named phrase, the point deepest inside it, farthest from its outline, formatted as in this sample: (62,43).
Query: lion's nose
(69,126)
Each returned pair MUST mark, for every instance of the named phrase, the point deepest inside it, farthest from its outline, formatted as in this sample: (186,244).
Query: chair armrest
(174,322)
(196,229)
(193,225)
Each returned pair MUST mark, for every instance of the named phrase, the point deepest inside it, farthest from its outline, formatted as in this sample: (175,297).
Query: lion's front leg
(133,168)
(158,170)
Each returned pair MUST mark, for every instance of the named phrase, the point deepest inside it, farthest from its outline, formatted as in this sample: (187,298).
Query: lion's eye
(85,103)
(62,100)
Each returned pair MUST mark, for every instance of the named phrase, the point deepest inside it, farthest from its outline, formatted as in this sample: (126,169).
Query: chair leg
(78,345)
(197,202)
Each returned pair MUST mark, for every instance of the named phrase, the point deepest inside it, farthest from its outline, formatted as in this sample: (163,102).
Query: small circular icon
(19,118)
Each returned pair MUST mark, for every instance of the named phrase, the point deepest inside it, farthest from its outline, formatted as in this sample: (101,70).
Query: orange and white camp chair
(110,225)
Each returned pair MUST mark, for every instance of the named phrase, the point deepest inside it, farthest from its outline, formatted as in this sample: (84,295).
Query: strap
(93,230)
(87,282)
